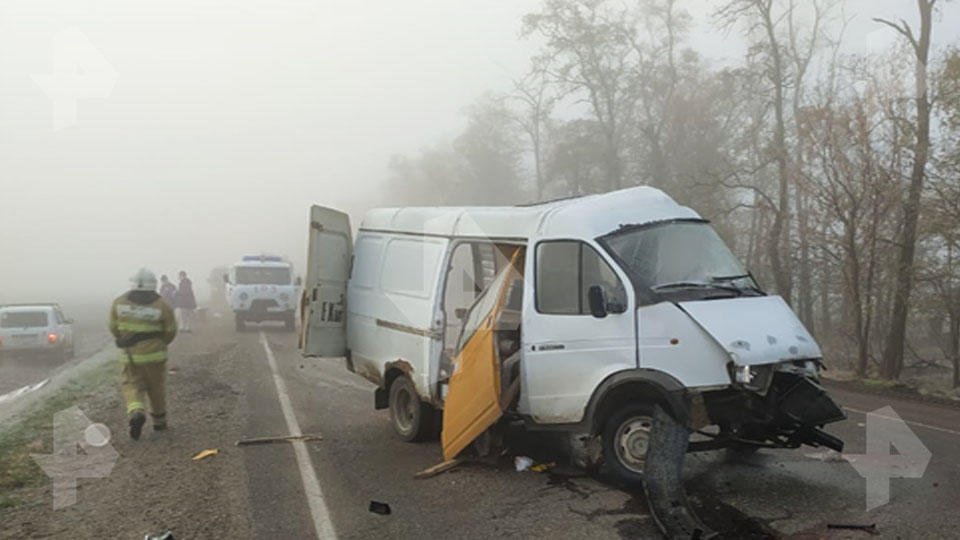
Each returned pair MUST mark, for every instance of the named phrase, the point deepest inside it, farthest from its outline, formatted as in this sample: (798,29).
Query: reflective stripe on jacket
(137,312)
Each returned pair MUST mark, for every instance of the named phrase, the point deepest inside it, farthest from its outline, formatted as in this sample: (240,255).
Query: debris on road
(522,463)
(381,508)
(870,529)
(438,468)
(164,536)
(543,467)
(206,453)
(285,438)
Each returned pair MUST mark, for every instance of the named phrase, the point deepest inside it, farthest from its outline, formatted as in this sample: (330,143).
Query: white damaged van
(582,315)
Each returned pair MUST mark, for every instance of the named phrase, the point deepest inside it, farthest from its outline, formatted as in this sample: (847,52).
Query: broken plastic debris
(542,467)
(381,508)
(522,463)
(164,536)
(206,453)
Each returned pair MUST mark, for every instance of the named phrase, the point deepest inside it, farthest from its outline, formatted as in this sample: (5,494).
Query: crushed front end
(778,405)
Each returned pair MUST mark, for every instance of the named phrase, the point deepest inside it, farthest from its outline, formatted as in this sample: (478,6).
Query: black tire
(624,442)
(412,419)
(241,325)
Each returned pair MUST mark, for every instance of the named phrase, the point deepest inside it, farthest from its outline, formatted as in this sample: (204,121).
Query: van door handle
(550,347)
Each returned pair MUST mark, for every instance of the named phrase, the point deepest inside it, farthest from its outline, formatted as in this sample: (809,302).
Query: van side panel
(391,304)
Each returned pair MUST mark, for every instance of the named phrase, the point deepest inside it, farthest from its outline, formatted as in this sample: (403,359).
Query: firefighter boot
(137,419)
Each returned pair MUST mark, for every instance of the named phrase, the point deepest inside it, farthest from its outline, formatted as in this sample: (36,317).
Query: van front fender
(633,385)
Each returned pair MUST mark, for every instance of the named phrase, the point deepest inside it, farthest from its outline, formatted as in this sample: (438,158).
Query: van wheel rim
(632,441)
(404,411)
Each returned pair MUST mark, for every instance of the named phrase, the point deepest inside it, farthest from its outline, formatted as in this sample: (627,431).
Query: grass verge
(32,432)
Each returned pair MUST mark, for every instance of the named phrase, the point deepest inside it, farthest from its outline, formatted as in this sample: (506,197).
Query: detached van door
(323,308)
(473,402)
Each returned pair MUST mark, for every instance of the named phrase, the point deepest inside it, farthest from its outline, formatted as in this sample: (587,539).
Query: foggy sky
(228,119)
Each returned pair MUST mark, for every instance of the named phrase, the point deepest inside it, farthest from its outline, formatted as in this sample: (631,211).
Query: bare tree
(920,47)
(761,18)
(536,100)
(588,53)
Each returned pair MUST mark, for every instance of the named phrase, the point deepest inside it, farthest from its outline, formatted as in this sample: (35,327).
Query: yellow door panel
(473,399)
(473,402)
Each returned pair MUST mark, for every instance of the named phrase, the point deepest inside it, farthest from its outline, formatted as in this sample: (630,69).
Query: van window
(23,319)
(410,267)
(565,272)
(368,253)
(558,278)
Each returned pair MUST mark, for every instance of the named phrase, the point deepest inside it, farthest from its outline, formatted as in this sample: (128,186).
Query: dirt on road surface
(223,388)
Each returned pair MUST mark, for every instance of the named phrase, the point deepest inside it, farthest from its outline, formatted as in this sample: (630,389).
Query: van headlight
(754,378)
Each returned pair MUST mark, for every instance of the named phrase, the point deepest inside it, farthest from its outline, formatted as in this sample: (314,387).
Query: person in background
(143,326)
(186,303)
(168,291)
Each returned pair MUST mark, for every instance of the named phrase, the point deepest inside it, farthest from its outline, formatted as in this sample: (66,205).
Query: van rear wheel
(412,419)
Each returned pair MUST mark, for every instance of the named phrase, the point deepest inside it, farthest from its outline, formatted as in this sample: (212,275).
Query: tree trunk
(896,338)
(779,232)
(955,346)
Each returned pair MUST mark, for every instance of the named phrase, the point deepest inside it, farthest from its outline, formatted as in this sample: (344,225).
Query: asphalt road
(226,385)
(783,493)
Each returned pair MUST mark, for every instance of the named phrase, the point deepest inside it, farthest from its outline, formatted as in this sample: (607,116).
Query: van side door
(567,351)
(323,309)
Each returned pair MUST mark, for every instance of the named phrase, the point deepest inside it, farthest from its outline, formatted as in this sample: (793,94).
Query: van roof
(588,216)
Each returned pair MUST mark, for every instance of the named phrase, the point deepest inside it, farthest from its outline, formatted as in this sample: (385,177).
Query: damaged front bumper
(789,410)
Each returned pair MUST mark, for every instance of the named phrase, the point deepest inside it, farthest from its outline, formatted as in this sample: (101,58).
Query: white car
(35,328)
(262,288)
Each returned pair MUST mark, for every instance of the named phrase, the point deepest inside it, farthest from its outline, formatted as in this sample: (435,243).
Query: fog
(227,120)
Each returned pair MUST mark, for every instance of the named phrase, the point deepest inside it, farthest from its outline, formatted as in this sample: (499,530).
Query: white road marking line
(10,396)
(311,486)
(910,422)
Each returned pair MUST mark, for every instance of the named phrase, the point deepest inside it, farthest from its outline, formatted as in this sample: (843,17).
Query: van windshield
(679,255)
(260,275)
(23,319)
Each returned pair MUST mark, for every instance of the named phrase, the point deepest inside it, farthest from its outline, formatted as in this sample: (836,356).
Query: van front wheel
(411,418)
(626,438)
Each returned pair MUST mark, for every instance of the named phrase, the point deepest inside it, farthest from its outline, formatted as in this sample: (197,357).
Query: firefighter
(143,325)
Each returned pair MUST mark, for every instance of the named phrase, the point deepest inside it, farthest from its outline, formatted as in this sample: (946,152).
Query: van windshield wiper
(696,285)
(751,288)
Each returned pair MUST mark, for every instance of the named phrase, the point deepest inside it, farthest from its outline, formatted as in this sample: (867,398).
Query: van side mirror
(597,299)
(226,278)
(298,282)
